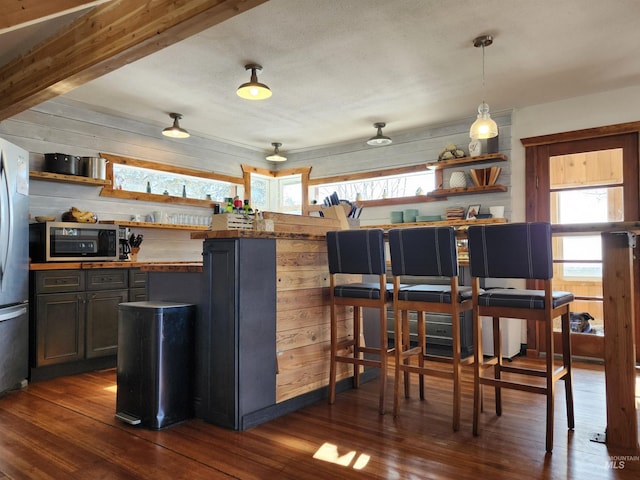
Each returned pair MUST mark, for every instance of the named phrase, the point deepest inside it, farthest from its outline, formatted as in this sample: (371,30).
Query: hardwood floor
(65,429)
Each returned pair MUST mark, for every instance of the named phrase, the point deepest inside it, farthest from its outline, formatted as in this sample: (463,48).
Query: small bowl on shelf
(44,218)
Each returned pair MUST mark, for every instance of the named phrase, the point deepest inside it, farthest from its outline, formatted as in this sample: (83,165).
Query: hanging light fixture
(484,126)
(253,90)
(275,156)
(379,139)
(175,131)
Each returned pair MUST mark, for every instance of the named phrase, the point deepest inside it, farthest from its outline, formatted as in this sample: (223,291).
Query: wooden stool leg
(550,382)
(477,357)
(497,369)
(398,335)
(406,345)
(357,344)
(566,360)
(422,341)
(334,351)
(384,347)
(455,323)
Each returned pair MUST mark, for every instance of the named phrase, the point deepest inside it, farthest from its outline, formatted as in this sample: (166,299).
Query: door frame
(537,152)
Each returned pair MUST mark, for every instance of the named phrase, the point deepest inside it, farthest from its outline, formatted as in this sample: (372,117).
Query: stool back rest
(356,251)
(514,250)
(424,251)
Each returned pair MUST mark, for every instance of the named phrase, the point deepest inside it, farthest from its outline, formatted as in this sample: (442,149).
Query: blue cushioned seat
(432,293)
(521,298)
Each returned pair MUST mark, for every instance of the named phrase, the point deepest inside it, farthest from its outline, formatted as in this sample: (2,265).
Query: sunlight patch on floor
(329,453)
(112,388)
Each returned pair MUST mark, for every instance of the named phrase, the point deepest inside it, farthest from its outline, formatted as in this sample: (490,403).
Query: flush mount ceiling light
(484,126)
(175,131)
(275,156)
(379,138)
(253,90)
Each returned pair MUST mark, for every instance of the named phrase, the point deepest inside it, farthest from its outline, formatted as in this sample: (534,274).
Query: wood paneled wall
(302,318)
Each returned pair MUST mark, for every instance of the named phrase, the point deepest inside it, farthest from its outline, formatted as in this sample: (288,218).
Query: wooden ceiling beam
(17,14)
(109,36)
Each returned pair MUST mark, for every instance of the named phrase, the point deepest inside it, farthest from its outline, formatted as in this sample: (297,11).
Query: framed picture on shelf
(472,212)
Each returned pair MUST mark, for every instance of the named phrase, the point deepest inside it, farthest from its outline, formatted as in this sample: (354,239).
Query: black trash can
(155,363)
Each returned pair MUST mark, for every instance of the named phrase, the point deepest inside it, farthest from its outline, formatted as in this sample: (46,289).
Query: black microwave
(69,242)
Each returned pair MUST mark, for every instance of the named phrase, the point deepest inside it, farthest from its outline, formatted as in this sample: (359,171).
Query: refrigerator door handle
(12,312)
(6,221)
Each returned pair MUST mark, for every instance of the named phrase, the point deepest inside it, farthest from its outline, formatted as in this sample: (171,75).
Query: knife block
(339,212)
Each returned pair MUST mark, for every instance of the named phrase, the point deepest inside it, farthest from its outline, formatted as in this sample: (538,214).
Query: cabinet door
(60,319)
(102,322)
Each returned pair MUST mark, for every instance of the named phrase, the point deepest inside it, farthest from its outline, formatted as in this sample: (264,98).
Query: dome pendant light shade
(379,138)
(175,131)
(253,90)
(484,126)
(275,156)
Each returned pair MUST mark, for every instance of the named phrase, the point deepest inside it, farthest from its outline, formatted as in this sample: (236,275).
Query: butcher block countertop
(144,266)
(254,234)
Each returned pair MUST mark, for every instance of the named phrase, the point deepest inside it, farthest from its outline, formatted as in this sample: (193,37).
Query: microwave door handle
(6,236)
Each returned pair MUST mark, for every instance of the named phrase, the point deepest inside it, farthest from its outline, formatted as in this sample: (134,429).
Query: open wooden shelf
(448,192)
(458,162)
(165,226)
(58,177)
(459,224)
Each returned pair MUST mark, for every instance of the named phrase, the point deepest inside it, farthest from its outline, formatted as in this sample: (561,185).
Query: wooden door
(582,177)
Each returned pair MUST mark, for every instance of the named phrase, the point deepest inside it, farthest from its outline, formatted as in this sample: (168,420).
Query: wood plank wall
(66,127)
(302,319)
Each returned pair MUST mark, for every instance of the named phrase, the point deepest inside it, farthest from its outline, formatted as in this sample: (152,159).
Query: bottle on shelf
(247,208)
(184,191)
(148,187)
(237,204)
(229,207)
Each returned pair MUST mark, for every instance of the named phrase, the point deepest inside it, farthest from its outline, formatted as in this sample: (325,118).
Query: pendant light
(175,131)
(379,139)
(484,126)
(253,90)
(275,156)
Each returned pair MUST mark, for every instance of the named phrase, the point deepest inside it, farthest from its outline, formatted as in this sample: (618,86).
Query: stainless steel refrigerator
(14,265)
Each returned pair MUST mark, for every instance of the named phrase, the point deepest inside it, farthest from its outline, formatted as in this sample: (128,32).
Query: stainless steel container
(95,167)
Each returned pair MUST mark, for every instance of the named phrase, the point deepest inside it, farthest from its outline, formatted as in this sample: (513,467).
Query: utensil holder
(133,255)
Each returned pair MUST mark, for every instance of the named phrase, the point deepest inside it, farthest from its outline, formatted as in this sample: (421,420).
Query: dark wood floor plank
(65,428)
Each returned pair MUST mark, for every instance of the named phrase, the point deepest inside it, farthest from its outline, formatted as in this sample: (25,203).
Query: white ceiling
(337,66)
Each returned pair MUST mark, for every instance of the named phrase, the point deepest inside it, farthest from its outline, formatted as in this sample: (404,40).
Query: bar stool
(359,252)
(518,250)
(427,252)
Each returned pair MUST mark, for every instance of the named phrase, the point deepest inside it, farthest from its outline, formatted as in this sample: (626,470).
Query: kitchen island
(262,346)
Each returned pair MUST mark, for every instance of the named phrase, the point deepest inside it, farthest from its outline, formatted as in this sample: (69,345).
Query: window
(136,179)
(158,182)
(375,187)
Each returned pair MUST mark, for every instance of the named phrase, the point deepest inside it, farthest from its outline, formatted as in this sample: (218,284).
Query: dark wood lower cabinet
(59,323)
(74,318)
(102,322)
